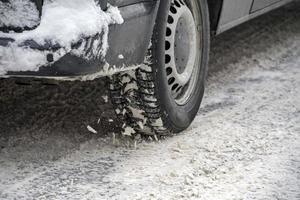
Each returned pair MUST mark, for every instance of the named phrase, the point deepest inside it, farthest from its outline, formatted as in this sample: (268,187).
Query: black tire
(154,95)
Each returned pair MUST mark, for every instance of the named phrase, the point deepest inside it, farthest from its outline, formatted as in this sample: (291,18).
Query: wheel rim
(182,53)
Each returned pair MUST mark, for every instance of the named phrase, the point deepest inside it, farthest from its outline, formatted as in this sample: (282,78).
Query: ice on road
(244,143)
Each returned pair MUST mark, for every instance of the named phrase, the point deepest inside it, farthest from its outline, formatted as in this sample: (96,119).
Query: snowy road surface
(244,144)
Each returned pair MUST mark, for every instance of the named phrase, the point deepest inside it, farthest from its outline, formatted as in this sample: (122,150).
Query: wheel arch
(215,8)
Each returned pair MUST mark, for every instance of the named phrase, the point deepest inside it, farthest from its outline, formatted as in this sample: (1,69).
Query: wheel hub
(181,50)
(181,46)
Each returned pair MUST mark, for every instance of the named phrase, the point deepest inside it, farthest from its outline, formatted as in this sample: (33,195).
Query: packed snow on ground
(63,22)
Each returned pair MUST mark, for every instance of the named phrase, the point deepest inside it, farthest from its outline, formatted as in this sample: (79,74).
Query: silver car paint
(235,12)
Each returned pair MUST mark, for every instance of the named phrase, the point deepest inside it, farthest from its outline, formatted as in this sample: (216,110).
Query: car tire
(163,96)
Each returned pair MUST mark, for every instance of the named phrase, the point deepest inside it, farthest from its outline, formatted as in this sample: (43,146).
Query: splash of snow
(105,98)
(120,56)
(91,129)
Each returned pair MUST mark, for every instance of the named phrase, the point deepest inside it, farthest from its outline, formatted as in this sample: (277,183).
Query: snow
(31,60)
(137,113)
(63,22)
(19,13)
(120,56)
(243,145)
(128,131)
(105,98)
(91,129)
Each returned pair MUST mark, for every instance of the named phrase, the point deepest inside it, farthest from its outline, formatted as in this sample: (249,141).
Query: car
(155,52)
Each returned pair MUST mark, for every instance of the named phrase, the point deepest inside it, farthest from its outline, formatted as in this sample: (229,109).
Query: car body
(129,41)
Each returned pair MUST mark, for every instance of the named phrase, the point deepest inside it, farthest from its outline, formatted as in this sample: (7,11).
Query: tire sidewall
(178,117)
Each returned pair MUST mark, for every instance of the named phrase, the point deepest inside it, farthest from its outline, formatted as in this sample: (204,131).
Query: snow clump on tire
(133,95)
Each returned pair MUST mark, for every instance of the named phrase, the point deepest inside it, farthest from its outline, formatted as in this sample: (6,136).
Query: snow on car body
(71,37)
